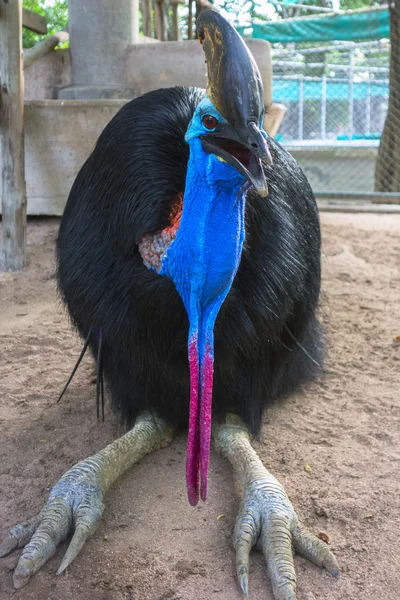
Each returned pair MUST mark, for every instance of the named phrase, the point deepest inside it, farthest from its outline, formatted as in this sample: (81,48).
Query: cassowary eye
(209,122)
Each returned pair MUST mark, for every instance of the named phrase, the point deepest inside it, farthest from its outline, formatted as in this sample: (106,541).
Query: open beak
(229,148)
(235,89)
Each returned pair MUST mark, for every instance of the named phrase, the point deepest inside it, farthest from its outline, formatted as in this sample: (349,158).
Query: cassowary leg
(267,517)
(76,502)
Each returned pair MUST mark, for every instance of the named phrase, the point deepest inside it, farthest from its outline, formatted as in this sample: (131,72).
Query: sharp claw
(19,536)
(285,593)
(243,581)
(23,572)
(67,560)
(306,544)
(245,538)
(242,565)
(331,565)
(64,564)
(335,574)
(8,545)
(81,534)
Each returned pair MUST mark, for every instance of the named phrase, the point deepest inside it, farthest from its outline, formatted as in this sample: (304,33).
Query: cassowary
(189,232)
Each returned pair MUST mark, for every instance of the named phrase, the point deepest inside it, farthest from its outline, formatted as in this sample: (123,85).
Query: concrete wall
(153,66)
(59,136)
(47,75)
(338,168)
(148,66)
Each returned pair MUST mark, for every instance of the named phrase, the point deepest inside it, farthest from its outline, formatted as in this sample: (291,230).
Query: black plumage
(267,337)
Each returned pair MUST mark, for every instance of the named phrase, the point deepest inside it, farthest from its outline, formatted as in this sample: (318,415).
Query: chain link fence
(336,97)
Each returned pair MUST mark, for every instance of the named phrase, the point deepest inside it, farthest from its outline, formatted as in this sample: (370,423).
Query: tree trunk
(190,20)
(175,20)
(200,6)
(387,174)
(12,136)
(161,21)
(147,24)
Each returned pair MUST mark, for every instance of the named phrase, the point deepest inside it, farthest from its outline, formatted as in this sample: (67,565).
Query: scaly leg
(267,516)
(76,501)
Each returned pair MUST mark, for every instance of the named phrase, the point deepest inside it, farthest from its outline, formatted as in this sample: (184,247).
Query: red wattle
(193,445)
(207,372)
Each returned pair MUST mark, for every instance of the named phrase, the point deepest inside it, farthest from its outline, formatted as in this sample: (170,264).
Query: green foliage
(354,4)
(243,12)
(56,13)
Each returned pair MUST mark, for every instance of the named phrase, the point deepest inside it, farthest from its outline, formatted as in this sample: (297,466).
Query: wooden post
(161,26)
(175,21)
(147,24)
(200,6)
(190,20)
(13,254)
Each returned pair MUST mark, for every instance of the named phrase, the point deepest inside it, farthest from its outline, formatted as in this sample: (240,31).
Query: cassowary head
(201,249)
(229,120)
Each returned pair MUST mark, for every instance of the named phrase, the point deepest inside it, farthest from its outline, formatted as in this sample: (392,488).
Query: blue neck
(202,262)
(205,255)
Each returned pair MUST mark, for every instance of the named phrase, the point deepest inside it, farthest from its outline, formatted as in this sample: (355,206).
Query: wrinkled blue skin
(203,259)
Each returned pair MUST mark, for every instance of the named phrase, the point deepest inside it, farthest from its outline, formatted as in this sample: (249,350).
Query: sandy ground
(151,544)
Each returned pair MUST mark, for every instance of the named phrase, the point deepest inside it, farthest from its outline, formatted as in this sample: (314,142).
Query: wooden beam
(43,47)
(13,255)
(33,21)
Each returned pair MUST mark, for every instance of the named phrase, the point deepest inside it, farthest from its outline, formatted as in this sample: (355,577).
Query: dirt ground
(151,544)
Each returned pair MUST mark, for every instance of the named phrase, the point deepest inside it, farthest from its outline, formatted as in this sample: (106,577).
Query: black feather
(99,377)
(267,326)
(78,362)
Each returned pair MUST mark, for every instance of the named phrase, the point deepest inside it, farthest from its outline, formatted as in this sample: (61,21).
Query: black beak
(235,89)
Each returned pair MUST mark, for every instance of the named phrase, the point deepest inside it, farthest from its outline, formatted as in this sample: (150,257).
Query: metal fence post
(351,95)
(301,108)
(323,108)
(368,106)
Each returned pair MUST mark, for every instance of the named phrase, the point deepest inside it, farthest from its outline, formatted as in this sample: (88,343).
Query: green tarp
(286,90)
(365,24)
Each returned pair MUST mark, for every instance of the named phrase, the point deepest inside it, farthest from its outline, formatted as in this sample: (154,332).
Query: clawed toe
(73,504)
(267,519)
(306,544)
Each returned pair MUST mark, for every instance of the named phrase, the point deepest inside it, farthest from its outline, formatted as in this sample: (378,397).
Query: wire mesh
(337,97)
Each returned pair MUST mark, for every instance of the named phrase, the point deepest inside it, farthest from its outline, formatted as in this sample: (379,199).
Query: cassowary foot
(267,518)
(75,504)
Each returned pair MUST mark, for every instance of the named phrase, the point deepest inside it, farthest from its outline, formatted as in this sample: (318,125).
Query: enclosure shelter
(362,24)
(328,97)
(331,72)
(70,95)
